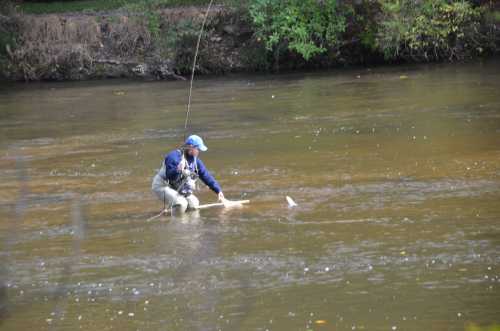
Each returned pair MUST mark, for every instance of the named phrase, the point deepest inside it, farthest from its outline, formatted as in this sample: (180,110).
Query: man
(176,180)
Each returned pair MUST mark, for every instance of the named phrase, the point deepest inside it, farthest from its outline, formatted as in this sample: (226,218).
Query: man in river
(175,182)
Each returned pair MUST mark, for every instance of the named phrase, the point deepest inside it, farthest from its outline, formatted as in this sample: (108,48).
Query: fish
(290,201)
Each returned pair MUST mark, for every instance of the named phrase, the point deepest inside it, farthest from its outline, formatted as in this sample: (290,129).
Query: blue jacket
(173,173)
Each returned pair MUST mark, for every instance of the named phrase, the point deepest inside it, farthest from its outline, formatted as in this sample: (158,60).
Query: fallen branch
(226,204)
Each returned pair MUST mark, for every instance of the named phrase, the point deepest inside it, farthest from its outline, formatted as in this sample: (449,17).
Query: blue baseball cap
(197,142)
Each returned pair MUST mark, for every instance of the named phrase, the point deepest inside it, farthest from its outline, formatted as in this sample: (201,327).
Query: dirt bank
(121,44)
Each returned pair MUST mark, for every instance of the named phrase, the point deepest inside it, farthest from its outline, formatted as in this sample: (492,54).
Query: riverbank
(158,43)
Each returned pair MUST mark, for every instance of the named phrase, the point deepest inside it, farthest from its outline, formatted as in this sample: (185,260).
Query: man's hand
(222,198)
(186,173)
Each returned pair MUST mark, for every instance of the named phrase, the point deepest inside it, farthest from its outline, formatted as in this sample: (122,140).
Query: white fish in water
(290,201)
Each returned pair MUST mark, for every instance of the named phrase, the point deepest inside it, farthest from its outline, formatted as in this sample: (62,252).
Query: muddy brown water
(396,172)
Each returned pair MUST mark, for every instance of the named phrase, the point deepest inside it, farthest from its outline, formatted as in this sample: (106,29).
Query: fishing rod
(225,203)
(194,68)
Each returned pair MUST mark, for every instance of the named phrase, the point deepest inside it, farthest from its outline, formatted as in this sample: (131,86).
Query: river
(395,170)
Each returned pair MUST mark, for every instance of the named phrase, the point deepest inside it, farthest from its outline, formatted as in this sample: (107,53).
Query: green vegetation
(307,27)
(474,327)
(408,30)
(496,15)
(426,30)
(429,29)
(105,5)
(239,35)
(70,6)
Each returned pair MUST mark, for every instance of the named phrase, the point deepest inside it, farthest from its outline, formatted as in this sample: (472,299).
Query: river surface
(396,173)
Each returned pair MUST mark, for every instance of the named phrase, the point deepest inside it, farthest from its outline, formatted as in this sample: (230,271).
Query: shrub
(429,30)
(307,27)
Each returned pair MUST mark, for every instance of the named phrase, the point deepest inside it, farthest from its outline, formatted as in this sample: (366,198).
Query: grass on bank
(496,15)
(474,327)
(92,6)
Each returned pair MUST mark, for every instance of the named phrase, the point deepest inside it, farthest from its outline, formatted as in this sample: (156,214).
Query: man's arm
(172,165)
(207,178)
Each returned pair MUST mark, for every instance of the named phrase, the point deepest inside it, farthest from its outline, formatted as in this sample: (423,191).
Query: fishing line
(165,210)
(194,68)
